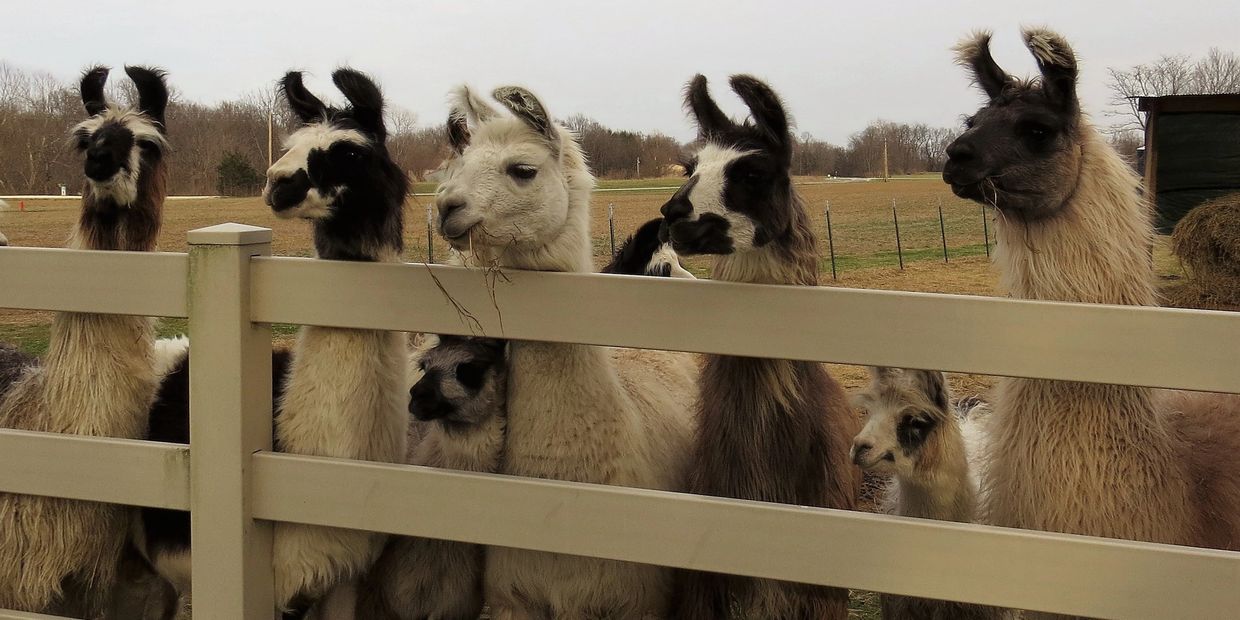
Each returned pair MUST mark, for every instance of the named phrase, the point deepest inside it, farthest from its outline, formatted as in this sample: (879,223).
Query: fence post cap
(229,234)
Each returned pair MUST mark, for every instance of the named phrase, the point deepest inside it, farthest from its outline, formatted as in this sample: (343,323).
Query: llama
(516,195)
(912,435)
(647,253)
(769,430)
(1103,460)
(98,377)
(344,391)
(459,405)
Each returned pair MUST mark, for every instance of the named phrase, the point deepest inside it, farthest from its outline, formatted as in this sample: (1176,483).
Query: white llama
(517,195)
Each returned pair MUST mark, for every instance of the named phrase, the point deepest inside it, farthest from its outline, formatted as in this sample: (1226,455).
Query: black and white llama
(648,252)
(344,393)
(768,430)
(98,378)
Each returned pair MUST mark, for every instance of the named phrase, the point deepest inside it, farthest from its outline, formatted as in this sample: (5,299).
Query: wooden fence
(235,486)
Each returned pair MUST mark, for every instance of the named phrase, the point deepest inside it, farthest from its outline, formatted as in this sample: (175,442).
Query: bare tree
(1217,72)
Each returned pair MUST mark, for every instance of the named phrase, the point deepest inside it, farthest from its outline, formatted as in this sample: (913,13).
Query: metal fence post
(985,231)
(430,235)
(896,218)
(230,401)
(943,230)
(830,240)
(611,225)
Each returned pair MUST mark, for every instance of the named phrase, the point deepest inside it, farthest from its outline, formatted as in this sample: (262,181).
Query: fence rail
(236,487)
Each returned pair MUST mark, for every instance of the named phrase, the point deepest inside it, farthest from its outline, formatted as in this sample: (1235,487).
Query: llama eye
(523,172)
(470,375)
(1036,131)
(83,143)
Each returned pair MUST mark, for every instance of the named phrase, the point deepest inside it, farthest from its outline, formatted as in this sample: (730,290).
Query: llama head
(336,171)
(903,410)
(515,182)
(738,196)
(120,144)
(464,382)
(1021,152)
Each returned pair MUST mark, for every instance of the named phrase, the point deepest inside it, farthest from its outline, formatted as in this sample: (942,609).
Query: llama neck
(568,414)
(940,488)
(345,395)
(98,374)
(368,233)
(105,225)
(1096,250)
(477,448)
(789,259)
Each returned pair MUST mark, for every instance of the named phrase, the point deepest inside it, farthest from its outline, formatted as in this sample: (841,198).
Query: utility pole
(270,134)
(639,167)
(886,176)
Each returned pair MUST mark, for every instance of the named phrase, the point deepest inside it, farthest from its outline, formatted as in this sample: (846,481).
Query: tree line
(223,148)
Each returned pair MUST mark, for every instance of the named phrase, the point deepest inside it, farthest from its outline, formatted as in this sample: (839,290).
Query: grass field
(861,228)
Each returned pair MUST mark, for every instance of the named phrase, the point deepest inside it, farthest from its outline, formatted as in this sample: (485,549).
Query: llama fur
(575,412)
(98,377)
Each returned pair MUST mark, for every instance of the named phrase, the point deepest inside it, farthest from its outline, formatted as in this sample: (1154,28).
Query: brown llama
(769,430)
(1103,460)
(98,377)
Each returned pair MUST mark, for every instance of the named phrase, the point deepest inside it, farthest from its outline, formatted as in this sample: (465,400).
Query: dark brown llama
(770,430)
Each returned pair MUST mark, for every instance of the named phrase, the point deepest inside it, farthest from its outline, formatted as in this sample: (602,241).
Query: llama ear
(526,106)
(92,90)
(933,384)
(470,107)
(458,131)
(152,91)
(365,97)
(710,119)
(884,374)
(974,53)
(765,106)
(304,105)
(1057,62)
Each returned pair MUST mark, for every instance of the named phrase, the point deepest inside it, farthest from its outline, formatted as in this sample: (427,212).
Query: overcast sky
(837,65)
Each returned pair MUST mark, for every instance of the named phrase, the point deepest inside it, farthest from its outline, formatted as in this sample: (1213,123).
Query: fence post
(896,218)
(611,225)
(430,234)
(985,231)
(830,240)
(230,397)
(943,230)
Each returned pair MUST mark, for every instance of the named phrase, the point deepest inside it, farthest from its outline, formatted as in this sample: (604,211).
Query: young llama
(345,393)
(98,378)
(913,435)
(1104,460)
(517,195)
(770,430)
(458,402)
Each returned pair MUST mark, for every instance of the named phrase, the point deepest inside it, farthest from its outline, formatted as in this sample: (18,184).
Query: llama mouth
(706,235)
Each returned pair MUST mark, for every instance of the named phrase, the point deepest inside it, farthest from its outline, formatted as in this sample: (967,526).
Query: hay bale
(1207,241)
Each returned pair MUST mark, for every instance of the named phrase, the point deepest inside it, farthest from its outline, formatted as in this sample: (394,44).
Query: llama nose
(448,206)
(288,191)
(859,450)
(676,209)
(100,165)
(960,152)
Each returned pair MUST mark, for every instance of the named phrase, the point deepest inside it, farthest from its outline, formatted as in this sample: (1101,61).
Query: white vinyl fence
(235,487)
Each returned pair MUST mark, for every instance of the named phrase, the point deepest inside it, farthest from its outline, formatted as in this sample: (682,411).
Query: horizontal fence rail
(236,487)
(1156,347)
(133,283)
(1030,570)
(121,471)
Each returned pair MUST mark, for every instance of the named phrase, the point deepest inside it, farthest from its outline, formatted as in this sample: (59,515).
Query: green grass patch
(34,339)
(892,259)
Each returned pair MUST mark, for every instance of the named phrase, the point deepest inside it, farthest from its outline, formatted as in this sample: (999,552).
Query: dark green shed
(1192,152)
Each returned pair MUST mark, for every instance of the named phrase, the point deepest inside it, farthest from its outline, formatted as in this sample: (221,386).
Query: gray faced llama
(1105,460)
(517,195)
(98,378)
(769,430)
(459,405)
(913,435)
